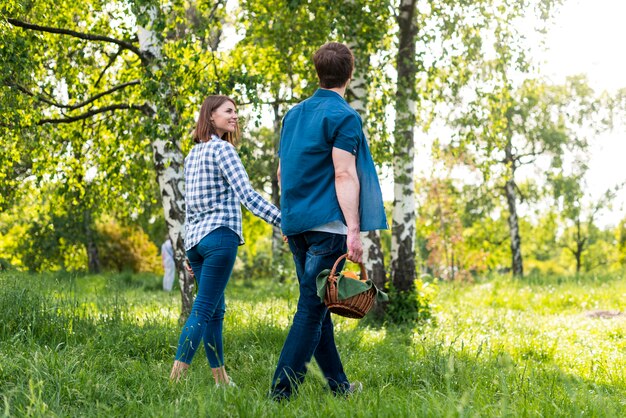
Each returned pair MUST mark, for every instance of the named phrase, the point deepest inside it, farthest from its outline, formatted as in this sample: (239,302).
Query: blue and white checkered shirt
(216,184)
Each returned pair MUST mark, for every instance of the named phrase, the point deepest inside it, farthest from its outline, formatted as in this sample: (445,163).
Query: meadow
(103,345)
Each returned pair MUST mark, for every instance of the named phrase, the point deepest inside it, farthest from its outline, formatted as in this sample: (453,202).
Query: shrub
(414,306)
(126,248)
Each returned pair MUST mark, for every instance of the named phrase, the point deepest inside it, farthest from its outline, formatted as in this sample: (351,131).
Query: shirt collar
(327,93)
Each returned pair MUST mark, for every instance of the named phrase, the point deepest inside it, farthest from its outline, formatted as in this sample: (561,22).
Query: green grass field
(103,346)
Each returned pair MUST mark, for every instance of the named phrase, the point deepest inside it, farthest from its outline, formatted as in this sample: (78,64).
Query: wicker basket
(353,307)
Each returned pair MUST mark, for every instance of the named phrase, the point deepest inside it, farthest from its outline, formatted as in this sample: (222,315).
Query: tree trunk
(580,246)
(403,226)
(516,241)
(375,265)
(278,246)
(89,235)
(93,259)
(356,95)
(168,163)
(168,159)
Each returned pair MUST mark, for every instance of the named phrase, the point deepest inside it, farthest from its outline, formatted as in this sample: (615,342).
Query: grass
(103,346)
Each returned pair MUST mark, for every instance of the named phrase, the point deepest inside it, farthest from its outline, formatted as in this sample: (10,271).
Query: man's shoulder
(301,105)
(333,109)
(341,109)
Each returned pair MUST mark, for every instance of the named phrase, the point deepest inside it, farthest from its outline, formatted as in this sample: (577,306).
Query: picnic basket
(353,307)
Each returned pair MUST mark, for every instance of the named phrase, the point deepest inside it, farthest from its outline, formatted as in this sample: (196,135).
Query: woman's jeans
(212,261)
(311,334)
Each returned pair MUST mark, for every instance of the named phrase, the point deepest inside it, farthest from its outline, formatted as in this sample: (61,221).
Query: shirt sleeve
(235,174)
(348,133)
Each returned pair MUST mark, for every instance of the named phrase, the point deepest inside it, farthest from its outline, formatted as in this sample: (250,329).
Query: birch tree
(154,60)
(441,45)
(535,124)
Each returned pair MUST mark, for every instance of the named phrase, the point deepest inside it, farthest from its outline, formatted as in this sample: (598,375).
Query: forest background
(484,153)
(497,127)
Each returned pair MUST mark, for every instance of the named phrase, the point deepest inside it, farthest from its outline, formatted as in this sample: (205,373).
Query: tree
(579,212)
(123,65)
(505,128)
(403,217)
(621,242)
(442,47)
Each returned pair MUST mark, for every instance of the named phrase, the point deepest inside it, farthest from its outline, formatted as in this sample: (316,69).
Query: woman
(216,184)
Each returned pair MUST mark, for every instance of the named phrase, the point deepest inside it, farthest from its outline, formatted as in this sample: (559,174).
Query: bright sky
(587,37)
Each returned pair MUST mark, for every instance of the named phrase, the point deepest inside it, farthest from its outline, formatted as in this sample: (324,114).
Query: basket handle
(334,270)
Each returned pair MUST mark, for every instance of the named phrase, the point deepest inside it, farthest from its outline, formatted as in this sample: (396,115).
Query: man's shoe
(355,387)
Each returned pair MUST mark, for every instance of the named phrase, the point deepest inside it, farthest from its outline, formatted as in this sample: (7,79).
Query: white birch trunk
(517,265)
(168,160)
(403,218)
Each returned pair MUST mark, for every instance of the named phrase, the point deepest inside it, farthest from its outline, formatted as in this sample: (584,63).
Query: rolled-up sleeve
(348,133)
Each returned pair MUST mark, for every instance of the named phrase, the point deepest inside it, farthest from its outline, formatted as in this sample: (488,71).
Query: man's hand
(355,247)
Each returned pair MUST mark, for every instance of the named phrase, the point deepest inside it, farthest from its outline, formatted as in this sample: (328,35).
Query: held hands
(355,247)
(189,270)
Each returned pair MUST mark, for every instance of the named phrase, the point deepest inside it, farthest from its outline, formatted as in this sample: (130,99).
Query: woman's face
(224,118)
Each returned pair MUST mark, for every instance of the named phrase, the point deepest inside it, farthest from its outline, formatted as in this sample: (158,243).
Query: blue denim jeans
(212,261)
(311,334)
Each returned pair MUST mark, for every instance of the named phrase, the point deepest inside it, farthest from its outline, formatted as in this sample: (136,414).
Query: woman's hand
(189,269)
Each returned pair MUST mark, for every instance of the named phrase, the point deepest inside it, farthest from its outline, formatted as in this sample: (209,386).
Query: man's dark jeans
(311,334)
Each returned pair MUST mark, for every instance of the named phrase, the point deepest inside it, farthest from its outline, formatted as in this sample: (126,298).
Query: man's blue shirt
(310,131)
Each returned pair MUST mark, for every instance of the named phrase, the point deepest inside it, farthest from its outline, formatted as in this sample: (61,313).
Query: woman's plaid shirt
(216,184)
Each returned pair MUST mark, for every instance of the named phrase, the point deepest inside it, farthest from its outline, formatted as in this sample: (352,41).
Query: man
(330,192)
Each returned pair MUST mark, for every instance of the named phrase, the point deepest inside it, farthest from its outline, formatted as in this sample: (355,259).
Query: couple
(330,192)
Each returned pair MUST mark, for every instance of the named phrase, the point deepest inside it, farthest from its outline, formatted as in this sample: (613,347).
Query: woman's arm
(236,175)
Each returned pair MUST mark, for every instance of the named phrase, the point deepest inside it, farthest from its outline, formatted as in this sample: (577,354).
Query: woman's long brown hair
(205,128)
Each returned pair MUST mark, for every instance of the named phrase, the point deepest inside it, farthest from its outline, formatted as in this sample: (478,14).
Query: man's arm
(348,190)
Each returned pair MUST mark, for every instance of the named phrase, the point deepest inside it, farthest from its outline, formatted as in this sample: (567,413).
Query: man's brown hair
(205,128)
(334,64)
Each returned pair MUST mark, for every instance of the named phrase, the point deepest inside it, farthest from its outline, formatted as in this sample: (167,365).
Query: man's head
(334,64)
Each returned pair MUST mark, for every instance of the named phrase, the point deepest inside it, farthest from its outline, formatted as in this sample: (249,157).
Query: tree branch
(144,108)
(80,35)
(111,61)
(496,243)
(273,102)
(104,93)
(33,95)
(534,156)
(78,105)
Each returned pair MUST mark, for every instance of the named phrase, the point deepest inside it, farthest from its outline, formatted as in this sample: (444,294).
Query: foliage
(255,258)
(460,230)
(126,248)
(415,306)
(41,235)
